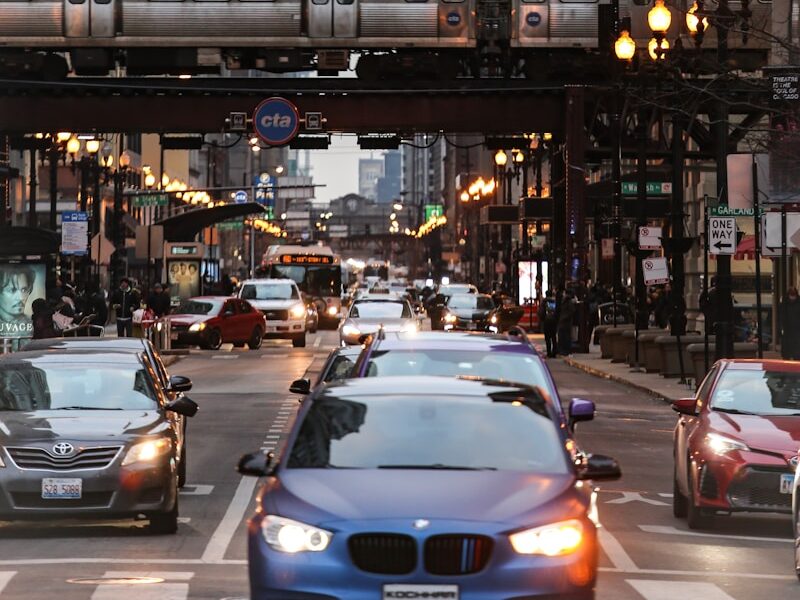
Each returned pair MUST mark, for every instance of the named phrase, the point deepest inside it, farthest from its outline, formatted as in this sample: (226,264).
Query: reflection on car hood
(348,494)
(776,434)
(372,325)
(53,425)
(274,304)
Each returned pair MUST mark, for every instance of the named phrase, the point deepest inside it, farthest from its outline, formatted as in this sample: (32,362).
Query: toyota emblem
(63,449)
(421,524)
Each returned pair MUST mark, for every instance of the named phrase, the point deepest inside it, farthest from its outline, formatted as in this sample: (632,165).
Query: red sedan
(736,442)
(210,321)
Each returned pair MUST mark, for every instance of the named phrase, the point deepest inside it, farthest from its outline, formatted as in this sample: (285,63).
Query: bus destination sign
(306,259)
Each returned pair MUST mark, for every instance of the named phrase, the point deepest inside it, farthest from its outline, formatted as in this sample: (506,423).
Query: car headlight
(556,539)
(351,330)
(720,444)
(410,328)
(448,318)
(292,536)
(333,311)
(147,451)
(197,327)
(298,311)
(493,319)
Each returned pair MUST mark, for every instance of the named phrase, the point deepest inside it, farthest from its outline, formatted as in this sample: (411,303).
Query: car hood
(274,304)
(469,313)
(54,425)
(189,319)
(774,434)
(372,325)
(327,495)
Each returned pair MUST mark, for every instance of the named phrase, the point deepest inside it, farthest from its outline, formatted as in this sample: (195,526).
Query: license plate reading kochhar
(420,592)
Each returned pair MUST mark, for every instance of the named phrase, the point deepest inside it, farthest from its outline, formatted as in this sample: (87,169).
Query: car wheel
(299,342)
(214,340)
(165,523)
(696,517)
(182,466)
(679,501)
(256,339)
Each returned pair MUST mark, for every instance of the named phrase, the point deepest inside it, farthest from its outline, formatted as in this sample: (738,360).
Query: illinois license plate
(62,489)
(787,481)
(429,592)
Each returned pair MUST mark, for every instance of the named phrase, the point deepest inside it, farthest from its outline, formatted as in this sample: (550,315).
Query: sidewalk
(651,383)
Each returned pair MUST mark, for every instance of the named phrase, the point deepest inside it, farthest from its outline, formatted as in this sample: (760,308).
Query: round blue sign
(533,19)
(276,121)
(453,19)
(240,197)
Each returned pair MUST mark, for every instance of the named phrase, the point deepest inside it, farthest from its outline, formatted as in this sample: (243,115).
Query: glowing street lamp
(501,158)
(625,46)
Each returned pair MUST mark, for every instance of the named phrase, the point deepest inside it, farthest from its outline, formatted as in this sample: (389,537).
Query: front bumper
(285,329)
(466,325)
(331,574)
(112,492)
(188,338)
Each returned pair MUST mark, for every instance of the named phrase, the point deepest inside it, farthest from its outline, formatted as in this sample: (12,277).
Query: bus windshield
(323,280)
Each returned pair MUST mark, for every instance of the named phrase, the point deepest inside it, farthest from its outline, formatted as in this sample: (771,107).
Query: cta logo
(533,19)
(453,19)
(276,121)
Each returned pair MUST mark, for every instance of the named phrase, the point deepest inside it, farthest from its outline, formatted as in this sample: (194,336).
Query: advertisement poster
(20,285)
(184,279)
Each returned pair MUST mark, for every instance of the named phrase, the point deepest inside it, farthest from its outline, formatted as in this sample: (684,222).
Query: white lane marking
(178,575)
(154,591)
(184,520)
(665,495)
(318,342)
(615,552)
(668,530)
(223,357)
(635,497)
(5,577)
(669,590)
(218,544)
(197,490)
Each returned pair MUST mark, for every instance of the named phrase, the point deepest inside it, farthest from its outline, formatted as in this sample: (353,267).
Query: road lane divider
(669,530)
(651,589)
(222,536)
(5,578)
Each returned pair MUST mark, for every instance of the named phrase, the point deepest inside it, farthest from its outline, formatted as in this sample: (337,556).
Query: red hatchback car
(736,442)
(210,321)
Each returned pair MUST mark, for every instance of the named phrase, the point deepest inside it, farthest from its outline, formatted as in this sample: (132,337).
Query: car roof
(438,340)
(768,364)
(379,298)
(424,385)
(211,298)
(270,280)
(130,345)
(72,355)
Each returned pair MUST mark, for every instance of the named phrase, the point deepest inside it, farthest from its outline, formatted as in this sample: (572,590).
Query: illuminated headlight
(292,537)
(450,318)
(410,328)
(197,327)
(147,451)
(720,444)
(298,311)
(550,540)
(351,330)
(158,326)
(333,311)
(493,319)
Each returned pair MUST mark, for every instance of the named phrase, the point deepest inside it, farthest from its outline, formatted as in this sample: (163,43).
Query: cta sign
(276,121)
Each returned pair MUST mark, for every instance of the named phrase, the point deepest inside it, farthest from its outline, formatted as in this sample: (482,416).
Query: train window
(453,1)
(578,1)
(77,1)
(319,1)
(534,1)
(344,1)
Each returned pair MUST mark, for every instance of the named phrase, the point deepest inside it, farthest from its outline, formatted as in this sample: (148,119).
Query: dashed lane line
(222,536)
(651,589)
(5,577)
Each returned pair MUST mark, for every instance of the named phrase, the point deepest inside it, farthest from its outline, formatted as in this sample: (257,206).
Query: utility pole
(34,184)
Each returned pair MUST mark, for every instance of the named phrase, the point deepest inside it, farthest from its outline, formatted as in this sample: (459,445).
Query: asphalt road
(245,405)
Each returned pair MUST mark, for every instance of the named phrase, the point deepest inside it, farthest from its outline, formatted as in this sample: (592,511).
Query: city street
(245,404)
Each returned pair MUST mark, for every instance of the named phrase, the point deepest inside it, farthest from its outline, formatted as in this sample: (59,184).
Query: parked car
(210,321)
(282,304)
(497,507)
(86,435)
(736,441)
(370,313)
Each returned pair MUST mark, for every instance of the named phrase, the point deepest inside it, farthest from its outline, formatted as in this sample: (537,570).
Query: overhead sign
(150,200)
(433,211)
(240,197)
(722,235)
(650,238)
(237,121)
(74,232)
(654,188)
(264,185)
(656,271)
(276,121)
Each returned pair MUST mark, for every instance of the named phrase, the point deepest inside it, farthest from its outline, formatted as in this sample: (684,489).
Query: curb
(615,378)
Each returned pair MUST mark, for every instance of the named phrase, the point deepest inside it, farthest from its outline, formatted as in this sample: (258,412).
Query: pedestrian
(98,309)
(125,300)
(548,317)
(42,317)
(790,325)
(566,315)
(159,301)
(708,306)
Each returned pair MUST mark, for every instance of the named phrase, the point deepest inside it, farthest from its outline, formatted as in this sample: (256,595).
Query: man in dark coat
(548,317)
(566,315)
(790,325)
(159,301)
(125,301)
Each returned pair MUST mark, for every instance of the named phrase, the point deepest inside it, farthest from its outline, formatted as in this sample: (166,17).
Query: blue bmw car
(451,489)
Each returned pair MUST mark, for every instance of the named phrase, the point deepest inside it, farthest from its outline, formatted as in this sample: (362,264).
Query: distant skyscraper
(370,170)
(389,184)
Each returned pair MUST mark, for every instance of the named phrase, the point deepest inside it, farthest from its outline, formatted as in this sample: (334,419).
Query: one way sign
(722,235)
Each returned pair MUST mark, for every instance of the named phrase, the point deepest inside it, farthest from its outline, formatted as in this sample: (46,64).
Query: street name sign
(650,238)
(655,271)
(433,211)
(276,121)
(722,235)
(74,232)
(727,211)
(150,200)
(654,188)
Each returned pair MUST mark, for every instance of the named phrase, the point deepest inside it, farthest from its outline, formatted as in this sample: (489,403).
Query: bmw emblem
(453,18)
(533,19)
(63,449)
(420,524)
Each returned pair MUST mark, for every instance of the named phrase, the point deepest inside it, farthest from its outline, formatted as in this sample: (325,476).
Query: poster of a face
(20,285)
(184,279)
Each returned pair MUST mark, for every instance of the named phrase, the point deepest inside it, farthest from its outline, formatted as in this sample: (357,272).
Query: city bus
(317,271)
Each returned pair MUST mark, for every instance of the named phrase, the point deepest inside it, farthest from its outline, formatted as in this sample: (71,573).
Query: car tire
(182,466)
(299,342)
(165,523)
(256,339)
(696,517)
(214,340)
(679,501)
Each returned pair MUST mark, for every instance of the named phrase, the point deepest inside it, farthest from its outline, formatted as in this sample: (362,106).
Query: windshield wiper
(733,411)
(83,408)
(437,467)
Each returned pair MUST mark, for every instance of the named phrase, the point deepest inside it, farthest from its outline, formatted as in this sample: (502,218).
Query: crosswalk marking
(669,590)
(151,591)
(5,577)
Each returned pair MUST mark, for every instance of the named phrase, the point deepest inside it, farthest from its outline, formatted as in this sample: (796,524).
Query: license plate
(271,329)
(472,326)
(787,481)
(430,592)
(60,489)
(173,336)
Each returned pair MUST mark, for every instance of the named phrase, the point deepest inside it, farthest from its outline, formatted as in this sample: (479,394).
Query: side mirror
(179,383)
(685,406)
(300,386)
(256,464)
(599,468)
(183,406)
(580,410)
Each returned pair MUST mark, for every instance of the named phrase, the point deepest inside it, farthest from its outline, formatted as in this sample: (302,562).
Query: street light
(501,158)
(693,22)
(73,146)
(63,136)
(657,49)
(149,180)
(464,196)
(92,146)
(659,18)
(625,46)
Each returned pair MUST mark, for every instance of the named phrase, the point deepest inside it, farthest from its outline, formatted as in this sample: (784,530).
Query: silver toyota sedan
(370,313)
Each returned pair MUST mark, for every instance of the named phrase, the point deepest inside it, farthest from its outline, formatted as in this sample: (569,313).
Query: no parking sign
(655,271)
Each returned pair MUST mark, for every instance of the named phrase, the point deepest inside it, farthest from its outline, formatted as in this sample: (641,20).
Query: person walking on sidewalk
(125,300)
(790,325)
(566,316)
(548,317)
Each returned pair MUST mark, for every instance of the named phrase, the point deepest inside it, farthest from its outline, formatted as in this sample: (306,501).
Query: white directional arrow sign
(722,235)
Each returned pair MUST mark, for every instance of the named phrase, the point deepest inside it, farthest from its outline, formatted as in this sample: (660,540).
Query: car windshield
(340,368)
(198,307)
(380,310)
(323,280)
(471,301)
(768,393)
(414,432)
(269,291)
(47,385)
(504,366)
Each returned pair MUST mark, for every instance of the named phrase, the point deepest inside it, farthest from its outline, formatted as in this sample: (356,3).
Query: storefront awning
(185,226)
